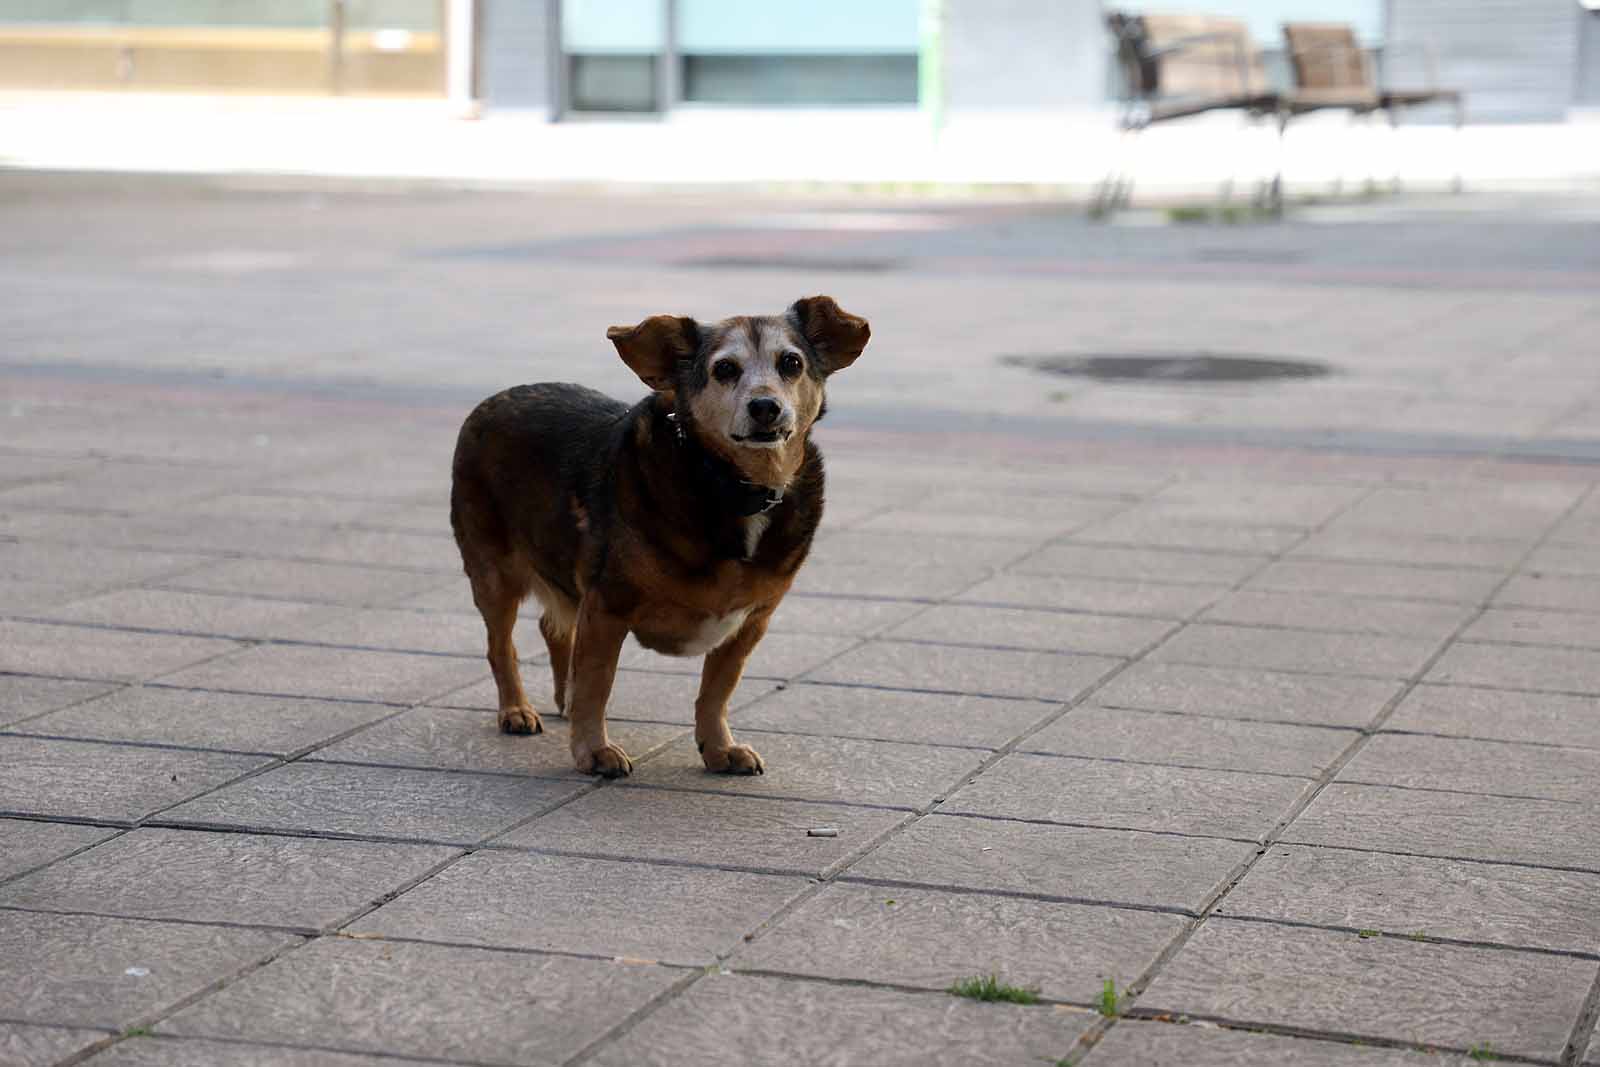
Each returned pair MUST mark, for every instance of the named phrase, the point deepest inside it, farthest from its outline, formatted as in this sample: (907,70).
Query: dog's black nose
(764,411)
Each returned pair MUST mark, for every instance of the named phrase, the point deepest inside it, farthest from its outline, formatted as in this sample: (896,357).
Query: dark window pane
(800,80)
(612,83)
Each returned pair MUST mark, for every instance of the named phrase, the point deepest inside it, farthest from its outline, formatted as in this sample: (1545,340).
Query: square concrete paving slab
(1554,592)
(398,630)
(453,739)
(638,695)
(159,1051)
(1504,829)
(1362,546)
(777,656)
(326,583)
(25,845)
(199,718)
(752,833)
(1049,631)
(107,783)
(1471,766)
(1568,670)
(205,614)
(35,598)
(1257,973)
(1140,564)
(813,1023)
(224,878)
(1030,859)
(1257,503)
(332,673)
(88,565)
(1191,740)
(839,615)
(1503,510)
(1454,585)
(981,672)
(1250,647)
(1553,559)
(84,970)
(827,769)
(1497,715)
(1161,1044)
(1592,1057)
(40,1046)
(894,549)
(681,915)
(901,581)
(1246,694)
(23,696)
(892,715)
(1092,595)
(1400,618)
(389,802)
(91,652)
(1130,796)
(1515,626)
(427,1000)
(1141,527)
(859,932)
(1520,907)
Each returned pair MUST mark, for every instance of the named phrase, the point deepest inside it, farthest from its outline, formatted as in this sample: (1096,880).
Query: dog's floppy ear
(653,348)
(837,335)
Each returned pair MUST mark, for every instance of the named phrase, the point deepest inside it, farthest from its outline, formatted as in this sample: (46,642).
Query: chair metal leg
(1457,185)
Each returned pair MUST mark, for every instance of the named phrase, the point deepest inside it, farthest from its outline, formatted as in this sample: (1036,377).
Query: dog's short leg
(559,642)
(498,606)
(596,644)
(718,679)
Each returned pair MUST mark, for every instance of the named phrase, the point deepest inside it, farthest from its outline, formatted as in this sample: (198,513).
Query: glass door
(614,55)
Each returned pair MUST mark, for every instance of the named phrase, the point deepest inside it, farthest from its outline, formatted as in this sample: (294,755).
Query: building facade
(1518,61)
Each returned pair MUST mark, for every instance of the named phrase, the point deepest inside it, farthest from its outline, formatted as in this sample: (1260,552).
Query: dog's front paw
(520,720)
(735,759)
(608,761)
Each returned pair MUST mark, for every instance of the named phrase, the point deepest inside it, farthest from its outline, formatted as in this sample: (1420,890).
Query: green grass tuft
(1482,1052)
(1364,934)
(1110,1005)
(989,987)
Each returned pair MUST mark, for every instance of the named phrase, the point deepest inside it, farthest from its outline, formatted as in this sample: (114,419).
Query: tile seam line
(1332,771)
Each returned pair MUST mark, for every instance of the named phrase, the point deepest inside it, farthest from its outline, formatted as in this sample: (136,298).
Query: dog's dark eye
(725,371)
(789,364)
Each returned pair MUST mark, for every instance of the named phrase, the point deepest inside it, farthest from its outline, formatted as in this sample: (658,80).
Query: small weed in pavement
(136,1031)
(1482,1052)
(1110,1004)
(989,987)
(1364,934)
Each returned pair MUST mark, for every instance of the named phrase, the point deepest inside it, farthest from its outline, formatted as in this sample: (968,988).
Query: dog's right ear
(653,348)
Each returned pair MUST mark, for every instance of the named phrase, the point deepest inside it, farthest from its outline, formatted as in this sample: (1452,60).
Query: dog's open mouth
(764,437)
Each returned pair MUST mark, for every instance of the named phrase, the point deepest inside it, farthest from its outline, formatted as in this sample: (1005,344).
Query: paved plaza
(1239,722)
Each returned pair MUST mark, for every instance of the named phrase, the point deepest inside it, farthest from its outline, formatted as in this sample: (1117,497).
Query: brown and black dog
(681,520)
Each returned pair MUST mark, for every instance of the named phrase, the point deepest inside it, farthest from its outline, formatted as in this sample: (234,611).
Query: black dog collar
(742,497)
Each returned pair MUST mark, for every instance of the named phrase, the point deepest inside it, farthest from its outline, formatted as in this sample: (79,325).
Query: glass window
(612,48)
(822,52)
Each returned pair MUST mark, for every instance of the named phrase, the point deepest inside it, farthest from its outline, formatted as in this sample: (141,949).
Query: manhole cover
(1190,367)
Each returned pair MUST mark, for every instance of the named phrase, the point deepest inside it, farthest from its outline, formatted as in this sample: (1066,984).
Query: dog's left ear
(837,335)
(653,348)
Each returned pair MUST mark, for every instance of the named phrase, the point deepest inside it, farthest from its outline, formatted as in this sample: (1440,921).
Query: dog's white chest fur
(713,633)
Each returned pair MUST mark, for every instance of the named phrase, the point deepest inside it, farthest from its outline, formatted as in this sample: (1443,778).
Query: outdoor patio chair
(1332,70)
(1176,66)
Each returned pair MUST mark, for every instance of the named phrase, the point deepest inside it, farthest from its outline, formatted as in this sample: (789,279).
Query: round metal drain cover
(1190,367)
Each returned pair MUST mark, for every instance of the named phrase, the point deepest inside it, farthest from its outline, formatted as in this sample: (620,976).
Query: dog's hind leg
(497,601)
(557,631)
